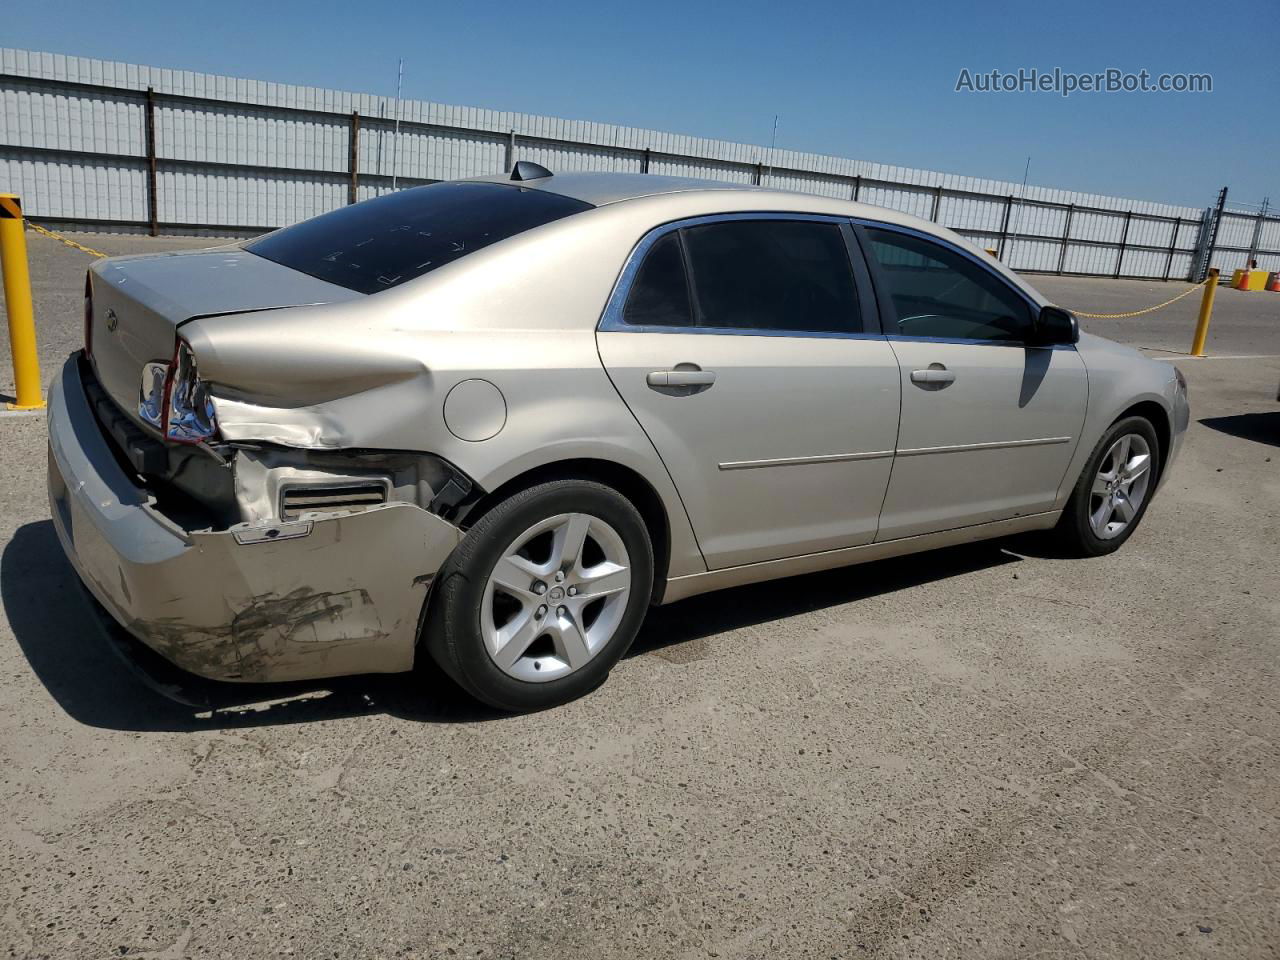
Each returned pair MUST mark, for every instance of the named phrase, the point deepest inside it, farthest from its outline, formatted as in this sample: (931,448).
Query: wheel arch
(1160,421)
(617,476)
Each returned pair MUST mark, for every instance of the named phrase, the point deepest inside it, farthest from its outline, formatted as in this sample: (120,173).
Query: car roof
(614,189)
(599,189)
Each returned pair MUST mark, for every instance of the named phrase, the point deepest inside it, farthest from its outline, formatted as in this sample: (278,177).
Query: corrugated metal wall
(241,154)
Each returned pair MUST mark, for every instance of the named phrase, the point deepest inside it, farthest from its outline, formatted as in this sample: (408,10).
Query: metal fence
(1237,238)
(96,144)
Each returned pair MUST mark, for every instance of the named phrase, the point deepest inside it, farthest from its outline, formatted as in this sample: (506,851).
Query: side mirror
(1055,326)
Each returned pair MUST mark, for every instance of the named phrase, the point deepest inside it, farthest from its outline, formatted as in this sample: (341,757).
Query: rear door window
(397,237)
(659,295)
(790,276)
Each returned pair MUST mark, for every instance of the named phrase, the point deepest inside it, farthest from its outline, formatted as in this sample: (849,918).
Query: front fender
(1121,378)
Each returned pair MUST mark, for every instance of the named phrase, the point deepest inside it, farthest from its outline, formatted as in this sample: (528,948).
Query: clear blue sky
(874,81)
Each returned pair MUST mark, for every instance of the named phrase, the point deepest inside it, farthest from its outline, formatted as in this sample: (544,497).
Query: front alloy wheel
(1113,491)
(1120,487)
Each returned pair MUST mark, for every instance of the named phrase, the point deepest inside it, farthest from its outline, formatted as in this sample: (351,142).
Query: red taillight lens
(88,317)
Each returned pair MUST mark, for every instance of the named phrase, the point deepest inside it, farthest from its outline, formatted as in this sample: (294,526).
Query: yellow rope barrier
(61,239)
(1138,313)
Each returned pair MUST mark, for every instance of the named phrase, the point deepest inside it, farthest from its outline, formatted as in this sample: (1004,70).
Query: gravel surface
(987,751)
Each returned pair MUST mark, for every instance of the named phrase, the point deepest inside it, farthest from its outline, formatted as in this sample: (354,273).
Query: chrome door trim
(678,588)
(792,461)
(990,445)
(611,319)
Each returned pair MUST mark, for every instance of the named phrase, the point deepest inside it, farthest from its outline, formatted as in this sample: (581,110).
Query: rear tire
(1113,492)
(542,596)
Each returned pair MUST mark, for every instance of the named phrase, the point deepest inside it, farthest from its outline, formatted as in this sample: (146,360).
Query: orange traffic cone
(1273,282)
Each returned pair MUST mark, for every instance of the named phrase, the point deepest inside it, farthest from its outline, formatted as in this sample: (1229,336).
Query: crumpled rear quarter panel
(343,598)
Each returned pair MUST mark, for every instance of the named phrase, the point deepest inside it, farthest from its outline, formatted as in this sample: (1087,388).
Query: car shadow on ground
(1259,427)
(73,649)
(667,628)
(65,637)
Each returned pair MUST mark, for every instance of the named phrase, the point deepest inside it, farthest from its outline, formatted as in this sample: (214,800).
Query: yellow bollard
(1206,308)
(17,298)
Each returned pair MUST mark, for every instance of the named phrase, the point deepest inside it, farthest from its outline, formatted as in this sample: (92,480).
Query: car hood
(1091,345)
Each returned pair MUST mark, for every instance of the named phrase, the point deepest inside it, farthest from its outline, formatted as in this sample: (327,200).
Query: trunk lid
(138,303)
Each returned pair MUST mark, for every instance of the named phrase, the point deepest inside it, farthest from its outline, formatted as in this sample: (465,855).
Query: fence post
(353,158)
(1124,238)
(17,300)
(1004,228)
(1173,246)
(1066,237)
(1213,234)
(1257,233)
(153,215)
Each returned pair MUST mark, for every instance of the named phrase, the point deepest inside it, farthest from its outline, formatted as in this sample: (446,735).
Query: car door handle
(681,378)
(938,374)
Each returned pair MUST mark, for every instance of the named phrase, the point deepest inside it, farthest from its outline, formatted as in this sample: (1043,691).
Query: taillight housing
(88,317)
(174,400)
(189,416)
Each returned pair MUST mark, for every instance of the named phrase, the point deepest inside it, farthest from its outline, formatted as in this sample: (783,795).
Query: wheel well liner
(626,481)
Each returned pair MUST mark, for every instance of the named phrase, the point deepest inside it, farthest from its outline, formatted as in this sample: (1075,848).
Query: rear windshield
(381,243)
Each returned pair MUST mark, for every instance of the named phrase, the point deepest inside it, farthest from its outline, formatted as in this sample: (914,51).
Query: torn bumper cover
(304,599)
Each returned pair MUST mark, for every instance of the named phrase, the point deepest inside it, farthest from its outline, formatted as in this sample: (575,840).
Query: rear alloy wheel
(555,597)
(543,596)
(1112,494)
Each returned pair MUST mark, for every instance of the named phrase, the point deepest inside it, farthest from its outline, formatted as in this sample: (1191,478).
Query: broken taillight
(174,400)
(189,416)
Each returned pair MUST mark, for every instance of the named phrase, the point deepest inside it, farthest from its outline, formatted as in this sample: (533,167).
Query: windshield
(381,243)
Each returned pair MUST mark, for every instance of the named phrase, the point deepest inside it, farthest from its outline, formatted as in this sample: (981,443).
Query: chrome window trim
(964,341)
(620,327)
(611,320)
(972,258)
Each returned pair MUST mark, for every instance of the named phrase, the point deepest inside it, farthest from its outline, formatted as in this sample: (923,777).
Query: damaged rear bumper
(306,599)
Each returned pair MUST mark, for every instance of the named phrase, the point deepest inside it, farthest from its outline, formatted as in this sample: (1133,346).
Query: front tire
(1114,489)
(542,596)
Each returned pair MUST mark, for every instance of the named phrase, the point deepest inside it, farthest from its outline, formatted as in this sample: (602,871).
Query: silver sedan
(493,421)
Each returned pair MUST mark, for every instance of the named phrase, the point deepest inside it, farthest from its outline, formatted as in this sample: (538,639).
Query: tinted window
(937,292)
(381,243)
(789,275)
(660,293)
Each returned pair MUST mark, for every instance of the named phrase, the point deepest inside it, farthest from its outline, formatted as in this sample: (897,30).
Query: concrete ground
(984,752)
